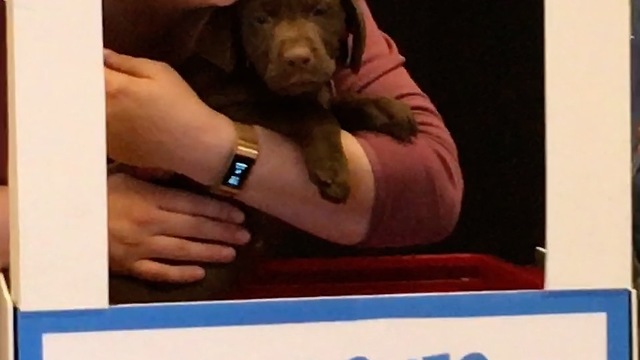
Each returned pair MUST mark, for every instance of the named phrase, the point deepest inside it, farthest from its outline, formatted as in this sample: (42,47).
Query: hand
(155,120)
(149,222)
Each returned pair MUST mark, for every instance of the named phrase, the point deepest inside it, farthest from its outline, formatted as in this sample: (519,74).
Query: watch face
(238,171)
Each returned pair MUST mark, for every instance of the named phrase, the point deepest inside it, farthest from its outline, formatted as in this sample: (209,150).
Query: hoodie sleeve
(418,186)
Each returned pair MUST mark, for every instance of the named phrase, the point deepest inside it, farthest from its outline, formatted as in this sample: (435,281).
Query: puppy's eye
(261,19)
(320,11)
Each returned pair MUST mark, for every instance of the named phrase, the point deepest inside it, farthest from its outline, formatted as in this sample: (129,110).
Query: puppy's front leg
(326,161)
(315,130)
(318,134)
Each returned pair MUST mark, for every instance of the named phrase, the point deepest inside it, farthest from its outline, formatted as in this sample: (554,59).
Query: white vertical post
(57,174)
(588,117)
(7,338)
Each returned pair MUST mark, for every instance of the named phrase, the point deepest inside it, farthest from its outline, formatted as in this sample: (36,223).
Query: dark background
(481,62)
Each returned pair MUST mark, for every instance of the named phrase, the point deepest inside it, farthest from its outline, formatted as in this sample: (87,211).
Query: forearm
(4,227)
(279,185)
(401,195)
(418,187)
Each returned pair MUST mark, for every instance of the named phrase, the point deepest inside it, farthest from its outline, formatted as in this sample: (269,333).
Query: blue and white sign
(585,325)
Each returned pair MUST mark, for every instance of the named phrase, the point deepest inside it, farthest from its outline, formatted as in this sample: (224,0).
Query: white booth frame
(59,222)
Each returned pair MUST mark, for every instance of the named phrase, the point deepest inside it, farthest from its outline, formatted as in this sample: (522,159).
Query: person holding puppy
(402,194)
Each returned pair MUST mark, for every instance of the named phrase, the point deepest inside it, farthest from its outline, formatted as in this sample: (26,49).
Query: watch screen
(238,171)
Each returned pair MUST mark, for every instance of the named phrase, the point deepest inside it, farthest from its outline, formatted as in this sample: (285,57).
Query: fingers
(113,79)
(183,202)
(139,230)
(172,248)
(201,228)
(157,272)
(133,66)
(165,247)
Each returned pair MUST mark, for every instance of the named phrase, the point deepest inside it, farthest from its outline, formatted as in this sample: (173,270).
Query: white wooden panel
(57,174)
(6,322)
(588,150)
(634,324)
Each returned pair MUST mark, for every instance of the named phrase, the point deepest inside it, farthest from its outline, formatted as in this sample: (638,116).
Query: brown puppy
(270,62)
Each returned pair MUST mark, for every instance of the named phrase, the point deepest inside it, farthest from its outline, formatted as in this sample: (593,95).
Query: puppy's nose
(298,56)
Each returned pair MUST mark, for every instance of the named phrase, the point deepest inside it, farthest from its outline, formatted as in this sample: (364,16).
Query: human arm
(204,141)
(148,222)
(4,227)
(154,120)
(4,196)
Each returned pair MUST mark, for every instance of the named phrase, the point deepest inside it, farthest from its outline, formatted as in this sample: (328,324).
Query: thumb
(134,66)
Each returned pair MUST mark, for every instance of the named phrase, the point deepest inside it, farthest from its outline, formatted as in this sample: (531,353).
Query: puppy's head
(296,45)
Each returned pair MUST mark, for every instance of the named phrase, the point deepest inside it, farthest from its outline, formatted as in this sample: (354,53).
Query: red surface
(389,275)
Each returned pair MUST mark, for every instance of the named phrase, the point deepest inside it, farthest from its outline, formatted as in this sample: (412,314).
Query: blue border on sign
(31,326)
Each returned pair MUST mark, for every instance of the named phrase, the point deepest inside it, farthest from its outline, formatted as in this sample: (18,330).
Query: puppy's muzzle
(298,57)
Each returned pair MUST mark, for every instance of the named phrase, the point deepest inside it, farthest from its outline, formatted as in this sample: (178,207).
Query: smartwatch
(241,162)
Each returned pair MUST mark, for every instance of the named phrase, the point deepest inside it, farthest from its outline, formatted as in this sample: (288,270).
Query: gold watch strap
(247,139)
(245,153)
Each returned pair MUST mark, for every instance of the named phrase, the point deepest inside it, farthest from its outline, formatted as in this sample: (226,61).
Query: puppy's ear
(352,55)
(217,41)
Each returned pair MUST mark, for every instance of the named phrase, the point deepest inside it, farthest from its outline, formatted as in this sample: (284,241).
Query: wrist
(207,148)
(240,163)
(251,190)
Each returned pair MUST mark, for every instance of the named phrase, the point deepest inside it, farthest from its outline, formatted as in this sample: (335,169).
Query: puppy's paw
(395,118)
(332,180)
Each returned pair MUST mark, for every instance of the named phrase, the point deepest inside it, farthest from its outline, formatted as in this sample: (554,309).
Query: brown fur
(270,62)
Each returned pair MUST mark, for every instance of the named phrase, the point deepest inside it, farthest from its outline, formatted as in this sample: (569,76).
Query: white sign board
(585,325)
